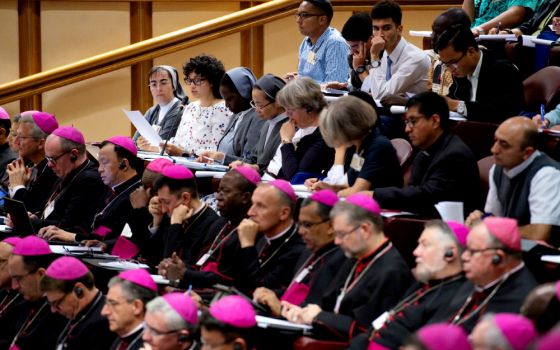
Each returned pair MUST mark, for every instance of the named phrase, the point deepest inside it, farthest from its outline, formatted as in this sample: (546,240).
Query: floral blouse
(202,127)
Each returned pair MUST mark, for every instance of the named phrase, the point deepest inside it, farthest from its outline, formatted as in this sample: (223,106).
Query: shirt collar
(321,38)
(516,170)
(476,72)
(135,330)
(499,279)
(170,104)
(270,239)
(398,50)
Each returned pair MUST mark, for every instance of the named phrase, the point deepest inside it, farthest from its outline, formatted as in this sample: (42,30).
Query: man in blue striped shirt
(323,53)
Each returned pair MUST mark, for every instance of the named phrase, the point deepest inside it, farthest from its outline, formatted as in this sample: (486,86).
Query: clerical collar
(270,239)
(135,330)
(125,184)
(198,210)
(516,170)
(499,279)
(371,255)
(434,147)
(432,283)
(74,172)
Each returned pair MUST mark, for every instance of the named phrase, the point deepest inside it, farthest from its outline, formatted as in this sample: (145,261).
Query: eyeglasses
(453,63)
(112,304)
(18,136)
(157,333)
(410,122)
(53,160)
(254,105)
(196,81)
(307,225)
(474,251)
(341,234)
(305,15)
(19,278)
(56,303)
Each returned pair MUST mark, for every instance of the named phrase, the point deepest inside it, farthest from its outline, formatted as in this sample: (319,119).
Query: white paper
(126,232)
(300,188)
(214,174)
(301,194)
(398,109)
(527,41)
(123,265)
(540,41)
(457,117)
(393,213)
(497,37)
(68,249)
(451,211)
(266,322)
(143,127)
(334,91)
(159,279)
(551,258)
(420,33)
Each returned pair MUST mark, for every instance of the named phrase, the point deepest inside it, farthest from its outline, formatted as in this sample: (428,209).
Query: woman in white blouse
(204,121)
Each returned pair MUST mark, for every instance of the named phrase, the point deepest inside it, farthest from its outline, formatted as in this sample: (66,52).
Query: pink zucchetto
(183,305)
(326,197)
(71,134)
(249,173)
(157,165)
(177,172)
(3,114)
(234,311)
(285,187)
(45,121)
(374,346)
(518,330)
(31,246)
(550,341)
(461,231)
(504,230)
(66,268)
(140,277)
(442,336)
(12,240)
(124,142)
(364,201)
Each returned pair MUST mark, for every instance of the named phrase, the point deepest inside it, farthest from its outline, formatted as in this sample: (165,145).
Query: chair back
(542,87)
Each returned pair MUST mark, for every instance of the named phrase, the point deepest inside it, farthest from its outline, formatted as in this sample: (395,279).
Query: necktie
(123,345)
(389,63)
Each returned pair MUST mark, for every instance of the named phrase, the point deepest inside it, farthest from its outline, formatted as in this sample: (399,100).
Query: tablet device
(18,215)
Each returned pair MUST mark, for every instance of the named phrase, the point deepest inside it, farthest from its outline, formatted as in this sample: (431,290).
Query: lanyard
(111,202)
(27,323)
(305,269)
(262,264)
(61,341)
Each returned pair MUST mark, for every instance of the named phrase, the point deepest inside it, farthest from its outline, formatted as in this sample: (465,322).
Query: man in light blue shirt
(323,53)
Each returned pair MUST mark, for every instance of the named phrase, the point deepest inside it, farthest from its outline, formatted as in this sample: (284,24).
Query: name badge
(357,162)
(299,278)
(380,321)
(48,210)
(311,58)
(203,260)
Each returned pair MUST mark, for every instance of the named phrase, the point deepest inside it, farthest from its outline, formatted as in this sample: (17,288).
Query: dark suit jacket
(530,26)
(499,94)
(312,155)
(263,154)
(246,136)
(447,171)
(6,157)
(170,122)
(80,194)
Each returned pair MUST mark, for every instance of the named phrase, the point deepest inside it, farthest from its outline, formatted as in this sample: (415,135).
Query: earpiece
(183,337)
(496,259)
(237,346)
(122,165)
(79,292)
(448,253)
(73,157)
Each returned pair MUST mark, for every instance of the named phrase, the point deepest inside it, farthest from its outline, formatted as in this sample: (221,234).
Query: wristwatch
(285,142)
(461,108)
(375,64)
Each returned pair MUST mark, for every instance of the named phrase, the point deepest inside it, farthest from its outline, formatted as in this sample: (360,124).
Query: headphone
(496,259)
(237,346)
(122,165)
(183,337)
(448,253)
(73,157)
(79,292)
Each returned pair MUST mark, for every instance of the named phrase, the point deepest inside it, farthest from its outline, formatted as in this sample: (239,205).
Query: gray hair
(302,93)
(36,132)
(132,291)
(356,215)
(172,319)
(494,338)
(346,119)
(445,233)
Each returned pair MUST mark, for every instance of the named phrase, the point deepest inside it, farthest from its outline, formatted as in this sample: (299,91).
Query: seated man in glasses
(323,53)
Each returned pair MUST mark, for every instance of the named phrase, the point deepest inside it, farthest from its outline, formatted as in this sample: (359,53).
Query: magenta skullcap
(12,240)
(326,197)
(139,277)
(285,187)
(183,305)
(234,311)
(66,268)
(71,134)
(4,114)
(461,231)
(443,336)
(518,330)
(45,121)
(177,172)
(157,165)
(550,341)
(504,230)
(124,142)
(249,173)
(374,346)
(364,201)
(32,245)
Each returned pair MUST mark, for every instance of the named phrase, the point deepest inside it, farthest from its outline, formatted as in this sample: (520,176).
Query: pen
(499,24)
(542,112)
(189,290)
(164,147)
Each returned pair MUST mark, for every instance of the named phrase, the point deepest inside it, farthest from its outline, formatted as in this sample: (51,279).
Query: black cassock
(132,342)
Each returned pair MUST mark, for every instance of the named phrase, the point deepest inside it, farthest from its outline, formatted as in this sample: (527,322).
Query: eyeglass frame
(410,122)
(341,235)
(472,252)
(156,333)
(54,159)
(307,225)
(306,15)
(18,279)
(453,64)
(196,82)
(254,105)
(56,303)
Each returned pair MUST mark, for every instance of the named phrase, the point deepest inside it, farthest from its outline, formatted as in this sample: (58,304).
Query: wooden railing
(169,43)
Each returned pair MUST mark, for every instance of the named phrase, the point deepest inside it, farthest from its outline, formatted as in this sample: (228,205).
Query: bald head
(515,140)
